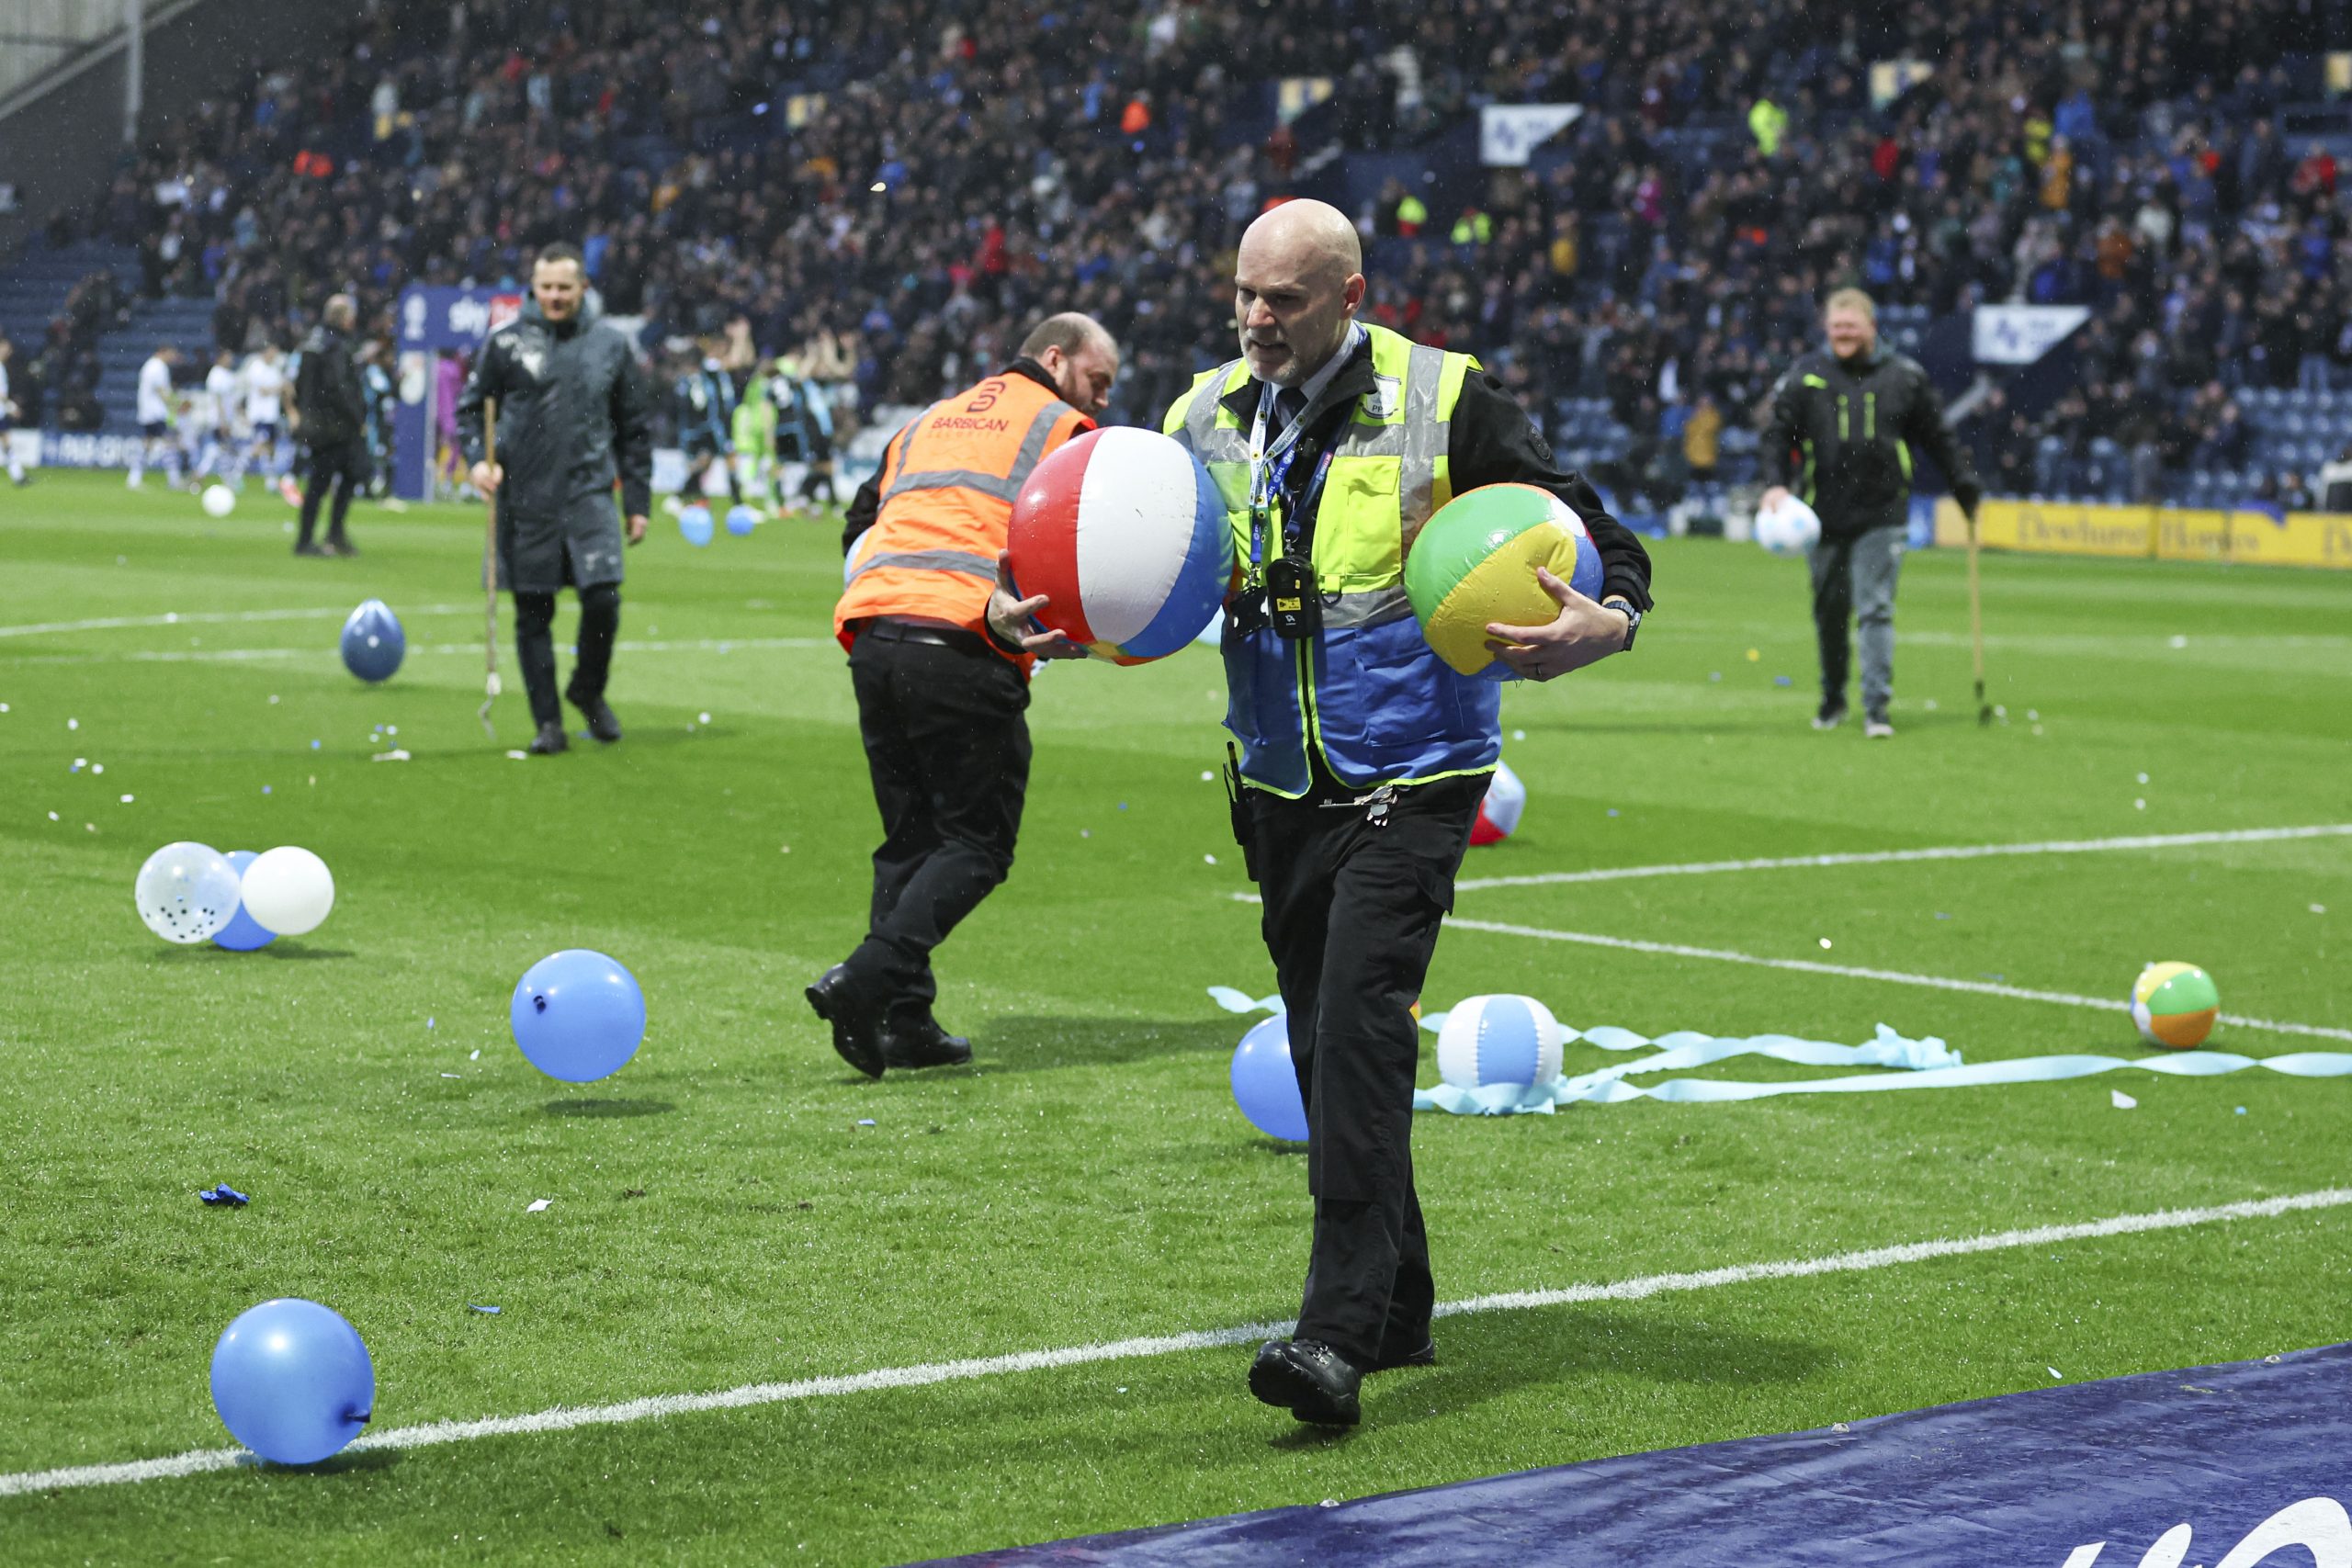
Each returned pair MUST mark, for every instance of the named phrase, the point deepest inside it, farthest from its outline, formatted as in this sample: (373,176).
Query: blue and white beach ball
(1499,1040)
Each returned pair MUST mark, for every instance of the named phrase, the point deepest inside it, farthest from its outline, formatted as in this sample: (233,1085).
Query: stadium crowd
(890,192)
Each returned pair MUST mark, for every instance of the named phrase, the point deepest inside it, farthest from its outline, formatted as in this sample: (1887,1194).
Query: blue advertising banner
(433,322)
(2222,1466)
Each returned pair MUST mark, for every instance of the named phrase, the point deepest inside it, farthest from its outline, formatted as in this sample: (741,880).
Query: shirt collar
(1313,385)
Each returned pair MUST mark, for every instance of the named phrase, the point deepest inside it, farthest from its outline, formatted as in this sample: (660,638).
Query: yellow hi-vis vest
(1367,693)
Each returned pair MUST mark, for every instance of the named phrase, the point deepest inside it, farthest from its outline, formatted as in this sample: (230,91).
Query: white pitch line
(563,1418)
(109,623)
(1852,972)
(327,655)
(1890,857)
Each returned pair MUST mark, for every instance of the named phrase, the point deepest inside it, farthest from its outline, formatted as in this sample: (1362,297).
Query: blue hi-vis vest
(1367,693)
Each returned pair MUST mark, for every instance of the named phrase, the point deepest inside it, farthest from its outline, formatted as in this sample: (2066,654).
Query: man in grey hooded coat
(571,419)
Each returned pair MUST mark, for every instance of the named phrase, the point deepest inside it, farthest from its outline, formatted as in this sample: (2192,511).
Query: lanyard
(1270,472)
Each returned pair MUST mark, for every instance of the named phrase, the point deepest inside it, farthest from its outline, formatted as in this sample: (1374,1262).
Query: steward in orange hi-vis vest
(942,681)
(946,490)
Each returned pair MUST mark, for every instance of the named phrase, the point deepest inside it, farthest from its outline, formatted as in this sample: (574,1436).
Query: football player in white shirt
(225,394)
(264,408)
(8,417)
(155,417)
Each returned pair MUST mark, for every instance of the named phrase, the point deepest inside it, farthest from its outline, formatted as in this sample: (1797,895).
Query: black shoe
(1831,715)
(923,1046)
(856,1021)
(549,740)
(341,547)
(307,549)
(1424,1356)
(1309,1379)
(603,723)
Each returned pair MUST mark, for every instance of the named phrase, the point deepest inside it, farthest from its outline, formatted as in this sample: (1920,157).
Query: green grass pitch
(721,1215)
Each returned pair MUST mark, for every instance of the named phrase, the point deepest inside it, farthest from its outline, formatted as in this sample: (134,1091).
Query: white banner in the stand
(2020,335)
(1508,133)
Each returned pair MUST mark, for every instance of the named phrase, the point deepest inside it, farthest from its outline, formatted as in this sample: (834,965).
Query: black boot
(551,741)
(602,722)
(922,1043)
(855,1017)
(1309,1379)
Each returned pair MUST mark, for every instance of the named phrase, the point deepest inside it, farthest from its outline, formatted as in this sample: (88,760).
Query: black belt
(891,629)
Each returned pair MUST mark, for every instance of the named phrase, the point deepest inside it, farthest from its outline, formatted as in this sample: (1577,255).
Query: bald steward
(1298,284)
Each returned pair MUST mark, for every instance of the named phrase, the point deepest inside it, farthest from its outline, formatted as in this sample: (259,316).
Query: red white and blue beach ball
(1124,532)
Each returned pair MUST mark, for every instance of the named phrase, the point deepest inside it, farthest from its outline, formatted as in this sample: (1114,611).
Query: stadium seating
(712,171)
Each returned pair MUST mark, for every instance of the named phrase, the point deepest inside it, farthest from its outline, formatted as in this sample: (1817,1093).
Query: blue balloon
(578,1015)
(243,933)
(741,520)
(373,642)
(292,1381)
(694,521)
(1265,1084)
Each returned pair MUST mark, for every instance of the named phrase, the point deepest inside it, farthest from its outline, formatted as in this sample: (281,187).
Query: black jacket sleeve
(633,436)
(1783,428)
(1493,441)
(1925,429)
(481,381)
(867,504)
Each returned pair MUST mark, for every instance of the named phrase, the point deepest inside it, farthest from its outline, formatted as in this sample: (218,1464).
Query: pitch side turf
(737,1209)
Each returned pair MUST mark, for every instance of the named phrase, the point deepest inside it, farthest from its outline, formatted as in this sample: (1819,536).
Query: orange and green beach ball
(1475,562)
(2174,1004)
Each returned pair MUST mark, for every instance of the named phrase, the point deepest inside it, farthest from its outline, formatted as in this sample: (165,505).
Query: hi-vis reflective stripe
(1425,439)
(1420,440)
(998,486)
(1375,608)
(928,560)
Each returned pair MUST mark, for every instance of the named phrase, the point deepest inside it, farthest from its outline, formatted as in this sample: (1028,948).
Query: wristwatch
(1625,607)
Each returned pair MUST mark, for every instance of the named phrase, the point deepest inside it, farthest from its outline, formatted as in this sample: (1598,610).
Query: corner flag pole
(489,575)
(1976,625)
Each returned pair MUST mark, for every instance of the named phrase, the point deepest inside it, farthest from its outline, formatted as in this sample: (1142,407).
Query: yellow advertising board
(2162,533)
(2195,536)
(2305,538)
(2058,527)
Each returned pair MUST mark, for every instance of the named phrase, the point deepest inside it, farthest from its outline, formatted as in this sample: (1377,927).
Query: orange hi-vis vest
(949,480)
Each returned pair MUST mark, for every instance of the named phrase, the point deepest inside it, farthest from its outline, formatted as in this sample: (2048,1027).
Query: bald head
(1296,284)
(1081,355)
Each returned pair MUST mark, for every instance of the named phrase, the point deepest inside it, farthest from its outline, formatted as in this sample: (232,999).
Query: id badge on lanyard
(1279,593)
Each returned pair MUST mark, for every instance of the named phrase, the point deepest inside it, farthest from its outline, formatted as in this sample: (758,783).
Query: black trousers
(1352,910)
(341,466)
(600,623)
(947,741)
(700,456)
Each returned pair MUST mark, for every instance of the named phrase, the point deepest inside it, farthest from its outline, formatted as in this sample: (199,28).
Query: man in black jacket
(1843,425)
(571,419)
(330,419)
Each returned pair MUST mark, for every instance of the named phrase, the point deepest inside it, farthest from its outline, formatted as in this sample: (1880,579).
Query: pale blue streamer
(1922,1064)
(1608,1087)
(1232,1000)
(1683,1049)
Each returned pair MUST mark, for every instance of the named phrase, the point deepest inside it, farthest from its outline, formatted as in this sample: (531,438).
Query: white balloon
(288,890)
(1789,529)
(187,892)
(219,501)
